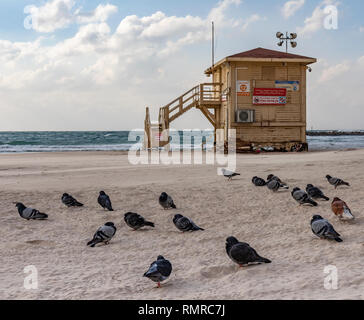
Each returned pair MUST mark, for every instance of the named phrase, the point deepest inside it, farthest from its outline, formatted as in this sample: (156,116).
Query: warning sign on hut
(270,96)
(243,88)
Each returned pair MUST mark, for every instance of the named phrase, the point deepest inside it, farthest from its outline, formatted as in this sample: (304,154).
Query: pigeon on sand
(30,213)
(166,201)
(136,221)
(324,229)
(103,234)
(242,253)
(159,270)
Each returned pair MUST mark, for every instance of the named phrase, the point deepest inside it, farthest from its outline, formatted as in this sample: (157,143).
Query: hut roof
(264,55)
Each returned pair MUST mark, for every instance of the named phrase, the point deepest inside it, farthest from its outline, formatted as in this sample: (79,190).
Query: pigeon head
(19,205)
(102,193)
(160,258)
(336,199)
(231,240)
(309,186)
(177,216)
(316,217)
(163,196)
(109,224)
(295,189)
(270,176)
(65,195)
(328,176)
(127,214)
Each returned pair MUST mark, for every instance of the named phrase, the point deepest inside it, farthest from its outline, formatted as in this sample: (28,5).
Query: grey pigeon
(159,270)
(103,234)
(136,221)
(185,224)
(70,201)
(302,197)
(315,192)
(242,253)
(336,181)
(166,201)
(229,174)
(29,213)
(258,182)
(273,177)
(275,185)
(104,201)
(323,229)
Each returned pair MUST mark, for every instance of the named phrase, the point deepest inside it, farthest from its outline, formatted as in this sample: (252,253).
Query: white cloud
(250,20)
(100,14)
(334,99)
(333,72)
(316,21)
(59,14)
(291,7)
(100,68)
(361,29)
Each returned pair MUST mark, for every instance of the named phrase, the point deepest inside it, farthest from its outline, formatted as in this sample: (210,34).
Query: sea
(57,141)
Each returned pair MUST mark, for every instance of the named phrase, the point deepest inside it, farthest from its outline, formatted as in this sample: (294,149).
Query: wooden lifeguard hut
(260,93)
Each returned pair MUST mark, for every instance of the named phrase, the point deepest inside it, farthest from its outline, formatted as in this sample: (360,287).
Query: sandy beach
(271,223)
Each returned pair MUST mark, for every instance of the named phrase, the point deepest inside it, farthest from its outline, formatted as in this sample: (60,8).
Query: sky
(96,65)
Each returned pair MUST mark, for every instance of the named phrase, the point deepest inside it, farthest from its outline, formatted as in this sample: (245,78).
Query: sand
(272,223)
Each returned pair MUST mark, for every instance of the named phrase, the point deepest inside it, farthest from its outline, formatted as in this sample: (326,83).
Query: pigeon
(323,229)
(103,234)
(185,224)
(70,201)
(136,221)
(336,181)
(159,270)
(104,201)
(341,209)
(302,197)
(275,185)
(273,177)
(242,253)
(166,201)
(315,192)
(258,182)
(229,174)
(29,213)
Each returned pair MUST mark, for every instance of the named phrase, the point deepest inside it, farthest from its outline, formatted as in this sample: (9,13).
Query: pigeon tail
(198,228)
(338,239)
(314,203)
(173,206)
(150,224)
(325,198)
(78,204)
(92,243)
(265,260)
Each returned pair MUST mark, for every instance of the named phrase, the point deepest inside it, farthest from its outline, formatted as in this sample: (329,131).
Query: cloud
(291,7)
(59,14)
(361,29)
(316,21)
(250,20)
(333,72)
(98,68)
(334,97)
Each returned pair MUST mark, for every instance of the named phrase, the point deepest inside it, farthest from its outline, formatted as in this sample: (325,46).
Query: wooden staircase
(206,97)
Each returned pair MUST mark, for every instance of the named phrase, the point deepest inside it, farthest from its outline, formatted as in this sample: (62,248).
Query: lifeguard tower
(260,93)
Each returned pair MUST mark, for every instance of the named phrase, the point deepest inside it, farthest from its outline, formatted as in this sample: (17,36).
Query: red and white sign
(275,92)
(270,96)
(269,100)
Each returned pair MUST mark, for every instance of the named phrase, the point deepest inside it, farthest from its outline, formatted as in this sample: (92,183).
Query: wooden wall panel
(269,134)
